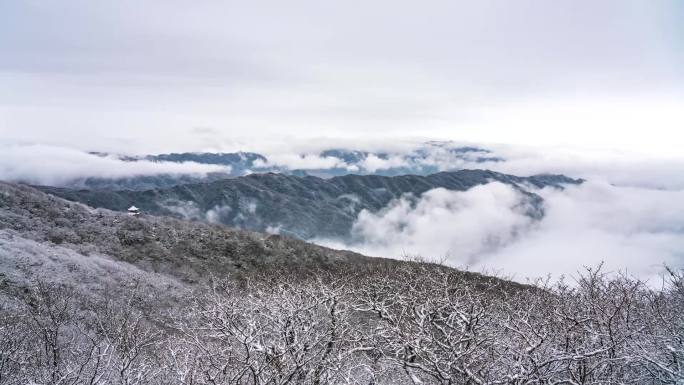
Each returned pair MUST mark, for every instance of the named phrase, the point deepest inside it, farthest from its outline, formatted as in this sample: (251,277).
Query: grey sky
(151,76)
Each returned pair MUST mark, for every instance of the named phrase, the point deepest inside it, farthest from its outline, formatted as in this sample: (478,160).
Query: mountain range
(429,158)
(305,207)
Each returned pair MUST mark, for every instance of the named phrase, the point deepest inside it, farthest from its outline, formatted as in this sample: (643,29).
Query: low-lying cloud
(634,229)
(421,157)
(57,166)
(458,225)
(624,169)
(631,229)
(373,163)
(406,157)
(302,162)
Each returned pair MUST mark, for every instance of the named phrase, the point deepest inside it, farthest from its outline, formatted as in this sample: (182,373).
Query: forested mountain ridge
(305,207)
(44,238)
(186,250)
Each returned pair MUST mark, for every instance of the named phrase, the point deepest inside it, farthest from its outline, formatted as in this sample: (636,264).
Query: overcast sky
(155,76)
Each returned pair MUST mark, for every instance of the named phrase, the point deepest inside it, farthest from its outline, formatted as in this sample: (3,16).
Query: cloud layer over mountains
(629,213)
(631,229)
(460,226)
(56,166)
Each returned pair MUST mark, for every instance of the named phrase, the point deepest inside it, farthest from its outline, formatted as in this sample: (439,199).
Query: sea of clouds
(58,165)
(630,229)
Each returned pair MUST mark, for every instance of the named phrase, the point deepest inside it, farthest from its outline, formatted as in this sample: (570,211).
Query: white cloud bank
(374,156)
(301,161)
(629,228)
(443,223)
(373,163)
(52,165)
(632,229)
(620,168)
